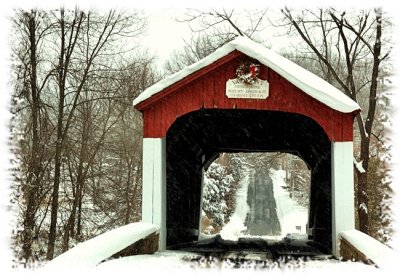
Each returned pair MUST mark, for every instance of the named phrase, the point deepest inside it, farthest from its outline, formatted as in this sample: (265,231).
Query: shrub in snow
(218,187)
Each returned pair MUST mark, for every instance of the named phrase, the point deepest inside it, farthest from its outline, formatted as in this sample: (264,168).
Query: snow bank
(306,81)
(92,252)
(171,263)
(236,225)
(290,214)
(374,250)
(166,260)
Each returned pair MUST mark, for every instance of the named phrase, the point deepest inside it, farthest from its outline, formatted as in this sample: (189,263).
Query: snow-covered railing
(357,246)
(102,247)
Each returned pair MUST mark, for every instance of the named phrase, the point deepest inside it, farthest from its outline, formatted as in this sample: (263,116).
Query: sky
(164,35)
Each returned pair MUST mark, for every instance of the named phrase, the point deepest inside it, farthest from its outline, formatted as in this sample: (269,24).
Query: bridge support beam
(154,185)
(342,192)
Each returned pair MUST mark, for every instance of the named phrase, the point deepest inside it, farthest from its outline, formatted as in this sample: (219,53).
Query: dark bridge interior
(195,139)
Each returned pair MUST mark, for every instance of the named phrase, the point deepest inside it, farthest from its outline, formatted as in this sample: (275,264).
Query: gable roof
(306,81)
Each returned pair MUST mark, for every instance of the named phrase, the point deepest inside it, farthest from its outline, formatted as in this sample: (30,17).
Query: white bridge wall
(154,185)
(342,192)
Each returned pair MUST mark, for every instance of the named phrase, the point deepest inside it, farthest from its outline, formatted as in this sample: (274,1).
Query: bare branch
(287,14)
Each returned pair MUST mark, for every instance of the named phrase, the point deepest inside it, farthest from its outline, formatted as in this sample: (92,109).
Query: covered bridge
(244,98)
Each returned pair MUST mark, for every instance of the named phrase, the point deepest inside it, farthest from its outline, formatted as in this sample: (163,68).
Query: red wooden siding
(206,89)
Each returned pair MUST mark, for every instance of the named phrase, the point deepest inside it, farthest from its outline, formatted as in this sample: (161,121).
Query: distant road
(262,219)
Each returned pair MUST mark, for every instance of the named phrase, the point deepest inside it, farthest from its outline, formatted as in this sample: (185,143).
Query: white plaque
(237,89)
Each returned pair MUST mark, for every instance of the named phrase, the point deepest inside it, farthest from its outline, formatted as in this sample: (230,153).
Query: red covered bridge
(192,116)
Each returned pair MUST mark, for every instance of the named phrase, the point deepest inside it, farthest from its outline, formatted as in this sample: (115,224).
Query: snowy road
(284,213)
(262,219)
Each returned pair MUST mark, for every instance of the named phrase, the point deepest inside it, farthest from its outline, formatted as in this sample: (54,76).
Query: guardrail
(350,253)
(357,246)
(134,238)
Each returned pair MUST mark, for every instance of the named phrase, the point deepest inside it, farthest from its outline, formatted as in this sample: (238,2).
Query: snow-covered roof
(306,81)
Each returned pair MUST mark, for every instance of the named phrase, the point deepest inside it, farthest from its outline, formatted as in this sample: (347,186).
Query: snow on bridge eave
(306,81)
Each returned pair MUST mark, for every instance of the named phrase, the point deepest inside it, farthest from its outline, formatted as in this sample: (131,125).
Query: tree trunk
(79,215)
(75,216)
(56,186)
(129,199)
(84,158)
(34,167)
(362,189)
(57,159)
(365,142)
(362,200)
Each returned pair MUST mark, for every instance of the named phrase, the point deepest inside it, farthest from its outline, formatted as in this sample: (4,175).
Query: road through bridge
(262,218)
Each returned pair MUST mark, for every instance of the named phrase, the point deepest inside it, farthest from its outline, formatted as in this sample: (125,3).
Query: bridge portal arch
(192,115)
(194,139)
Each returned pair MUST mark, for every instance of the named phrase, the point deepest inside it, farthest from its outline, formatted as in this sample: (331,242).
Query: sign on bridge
(235,88)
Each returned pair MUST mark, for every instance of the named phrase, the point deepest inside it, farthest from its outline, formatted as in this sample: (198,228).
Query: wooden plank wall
(208,91)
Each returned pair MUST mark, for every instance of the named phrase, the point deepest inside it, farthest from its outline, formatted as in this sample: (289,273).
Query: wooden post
(342,192)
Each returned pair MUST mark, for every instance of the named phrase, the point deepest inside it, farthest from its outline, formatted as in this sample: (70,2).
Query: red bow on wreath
(253,70)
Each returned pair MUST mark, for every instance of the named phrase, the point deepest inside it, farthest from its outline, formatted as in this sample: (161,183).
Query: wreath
(247,72)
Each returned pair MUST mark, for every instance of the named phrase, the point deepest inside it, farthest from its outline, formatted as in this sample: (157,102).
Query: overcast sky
(164,33)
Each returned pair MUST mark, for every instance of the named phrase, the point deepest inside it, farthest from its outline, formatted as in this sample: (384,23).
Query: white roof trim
(306,81)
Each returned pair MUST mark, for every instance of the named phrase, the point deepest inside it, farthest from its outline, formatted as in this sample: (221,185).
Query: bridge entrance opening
(196,139)
(256,196)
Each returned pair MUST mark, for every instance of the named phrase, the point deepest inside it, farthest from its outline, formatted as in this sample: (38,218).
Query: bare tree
(211,30)
(194,50)
(110,148)
(358,41)
(227,24)
(30,84)
(83,39)
(69,76)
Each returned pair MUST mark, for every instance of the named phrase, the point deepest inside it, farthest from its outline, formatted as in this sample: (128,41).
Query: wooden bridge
(197,113)
(245,98)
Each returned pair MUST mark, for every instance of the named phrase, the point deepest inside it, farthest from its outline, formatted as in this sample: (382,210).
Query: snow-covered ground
(236,225)
(175,264)
(179,262)
(292,216)
(172,263)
